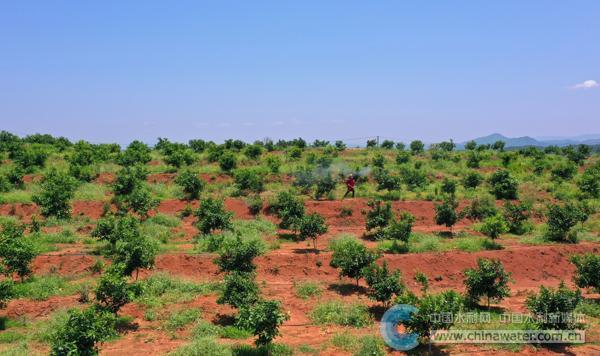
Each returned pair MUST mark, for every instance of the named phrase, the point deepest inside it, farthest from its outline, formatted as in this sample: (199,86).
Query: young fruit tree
(238,255)
(351,257)
(561,219)
(516,216)
(57,189)
(16,253)
(289,209)
(445,213)
(383,284)
(6,294)
(587,274)
(553,308)
(487,280)
(401,228)
(239,289)
(264,319)
(422,322)
(379,217)
(212,216)
(113,291)
(191,184)
(135,251)
(82,332)
(494,226)
(503,185)
(312,226)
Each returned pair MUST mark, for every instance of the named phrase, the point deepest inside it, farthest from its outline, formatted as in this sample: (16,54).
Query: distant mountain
(590,139)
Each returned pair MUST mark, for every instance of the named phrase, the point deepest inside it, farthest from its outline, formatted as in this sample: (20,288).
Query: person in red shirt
(350,186)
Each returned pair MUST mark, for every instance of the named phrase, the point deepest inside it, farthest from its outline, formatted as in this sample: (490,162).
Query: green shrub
(227,162)
(140,200)
(422,322)
(273,163)
(587,274)
(383,284)
(552,305)
(516,216)
(589,182)
(255,204)
(6,293)
(563,171)
(448,186)
(385,180)
(561,220)
(191,184)
(239,289)
(212,216)
(494,226)
(503,185)
(16,252)
(351,256)
(136,153)
(472,180)
(379,215)
(180,318)
(489,280)
(128,179)
(312,226)
(262,318)
(238,255)
(288,208)
(445,213)
(253,151)
(249,179)
(57,189)
(113,291)
(341,313)
(401,228)
(480,208)
(325,185)
(135,251)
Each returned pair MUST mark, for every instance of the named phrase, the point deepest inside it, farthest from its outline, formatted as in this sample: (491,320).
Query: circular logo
(389,328)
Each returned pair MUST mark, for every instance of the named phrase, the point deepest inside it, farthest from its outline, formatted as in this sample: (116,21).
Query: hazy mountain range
(591,139)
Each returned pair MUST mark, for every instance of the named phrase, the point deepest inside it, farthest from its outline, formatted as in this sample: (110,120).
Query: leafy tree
(589,183)
(448,186)
(413,177)
(113,291)
(57,189)
(552,305)
(239,289)
(494,226)
(351,256)
(379,161)
(383,284)
(274,163)
(422,322)
(289,209)
(140,200)
(503,185)
(387,144)
(212,216)
(179,156)
(253,151)
(489,279)
(191,184)
(480,208)
(499,146)
(379,216)
(588,270)
(304,178)
(83,173)
(136,153)
(6,292)
(249,179)
(564,171)
(403,157)
(371,143)
(325,185)
(135,251)
(312,226)
(112,229)
(445,213)
(561,220)
(340,145)
(516,215)
(128,178)
(82,332)
(473,159)
(30,158)
(417,147)
(255,204)
(16,253)
(238,255)
(294,153)
(227,162)
(264,319)
(472,180)
(197,145)
(386,181)
(471,145)
(401,228)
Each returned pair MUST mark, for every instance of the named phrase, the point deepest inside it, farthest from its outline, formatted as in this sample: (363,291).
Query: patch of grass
(44,287)
(16,196)
(474,244)
(203,347)
(270,350)
(309,289)
(163,191)
(160,228)
(92,191)
(9,336)
(256,229)
(341,313)
(164,220)
(161,289)
(358,345)
(419,243)
(232,332)
(589,308)
(205,329)
(180,318)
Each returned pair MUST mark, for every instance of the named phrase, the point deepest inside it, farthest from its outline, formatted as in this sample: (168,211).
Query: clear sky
(118,70)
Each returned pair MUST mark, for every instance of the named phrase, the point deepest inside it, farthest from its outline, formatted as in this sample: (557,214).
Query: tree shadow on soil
(346,289)
(223,319)
(302,251)
(428,349)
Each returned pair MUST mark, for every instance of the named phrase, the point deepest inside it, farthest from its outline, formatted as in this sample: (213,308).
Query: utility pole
(377,141)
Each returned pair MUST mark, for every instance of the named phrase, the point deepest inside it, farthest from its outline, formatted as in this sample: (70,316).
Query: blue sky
(118,70)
